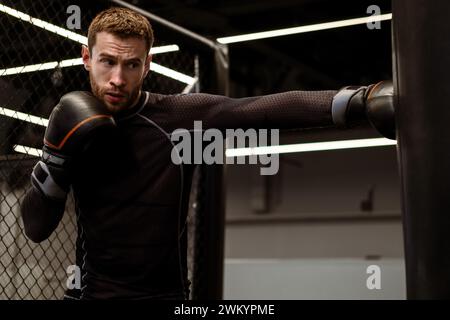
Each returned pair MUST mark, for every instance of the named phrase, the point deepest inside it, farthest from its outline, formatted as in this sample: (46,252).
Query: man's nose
(117,77)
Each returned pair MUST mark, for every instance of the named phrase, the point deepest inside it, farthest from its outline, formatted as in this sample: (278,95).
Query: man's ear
(86,57)
(147,64)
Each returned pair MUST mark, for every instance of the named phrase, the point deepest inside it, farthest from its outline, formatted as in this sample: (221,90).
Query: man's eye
(107,62)
(133,65)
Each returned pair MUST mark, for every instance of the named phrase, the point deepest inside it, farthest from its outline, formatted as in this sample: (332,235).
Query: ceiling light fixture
(303,29)
(309,147)
(23,116)
(27,150)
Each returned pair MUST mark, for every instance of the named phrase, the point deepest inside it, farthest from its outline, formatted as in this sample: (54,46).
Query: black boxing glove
(375,103)
(380,108)
(74,122)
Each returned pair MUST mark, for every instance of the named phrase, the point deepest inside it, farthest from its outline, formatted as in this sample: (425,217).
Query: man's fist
(74,120)
(380,108)
(375,103)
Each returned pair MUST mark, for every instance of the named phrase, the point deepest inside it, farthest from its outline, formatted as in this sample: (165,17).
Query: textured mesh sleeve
(287,110)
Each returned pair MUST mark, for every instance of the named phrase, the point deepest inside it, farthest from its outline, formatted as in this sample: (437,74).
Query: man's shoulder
(166,100)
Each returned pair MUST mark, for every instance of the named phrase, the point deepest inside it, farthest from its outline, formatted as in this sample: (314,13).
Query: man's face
(117,67)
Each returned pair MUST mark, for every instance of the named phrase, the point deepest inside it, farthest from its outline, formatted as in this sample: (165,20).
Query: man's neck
(132,108)
(136,101)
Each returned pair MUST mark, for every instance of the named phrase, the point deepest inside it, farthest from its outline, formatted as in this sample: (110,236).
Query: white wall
(317,216)
(315,240)
(336,279)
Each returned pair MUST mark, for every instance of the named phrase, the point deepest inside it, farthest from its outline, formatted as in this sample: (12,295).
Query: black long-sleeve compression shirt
(131,199)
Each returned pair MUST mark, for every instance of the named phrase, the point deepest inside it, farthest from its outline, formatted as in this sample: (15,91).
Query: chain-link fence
(39,62)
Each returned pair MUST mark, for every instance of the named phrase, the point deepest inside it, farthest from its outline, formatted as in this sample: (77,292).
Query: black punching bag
(421,44)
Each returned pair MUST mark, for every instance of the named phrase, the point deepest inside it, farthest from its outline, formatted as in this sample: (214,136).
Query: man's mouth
(114,97)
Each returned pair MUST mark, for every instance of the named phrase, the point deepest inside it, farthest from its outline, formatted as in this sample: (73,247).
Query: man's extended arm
(287,110)
(293,109)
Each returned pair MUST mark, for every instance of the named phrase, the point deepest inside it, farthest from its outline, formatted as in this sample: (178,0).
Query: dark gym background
(323,208)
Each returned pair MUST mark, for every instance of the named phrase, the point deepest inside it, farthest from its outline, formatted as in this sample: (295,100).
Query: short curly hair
(121,22)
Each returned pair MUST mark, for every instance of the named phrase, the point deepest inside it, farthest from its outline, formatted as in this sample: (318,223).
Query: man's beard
(128,102)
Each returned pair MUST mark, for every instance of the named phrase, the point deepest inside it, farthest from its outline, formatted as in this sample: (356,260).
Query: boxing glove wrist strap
(42,179)
(340,104)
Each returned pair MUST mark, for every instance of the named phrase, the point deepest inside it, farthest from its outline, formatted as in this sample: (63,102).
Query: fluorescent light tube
(27,150)
(303,29)
(23,116)
(309,147)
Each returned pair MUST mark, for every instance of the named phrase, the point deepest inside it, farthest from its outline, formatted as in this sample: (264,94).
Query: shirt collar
(128,113)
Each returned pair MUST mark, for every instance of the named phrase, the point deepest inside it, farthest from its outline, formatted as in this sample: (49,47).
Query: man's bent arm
(77,121)
(40,215)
